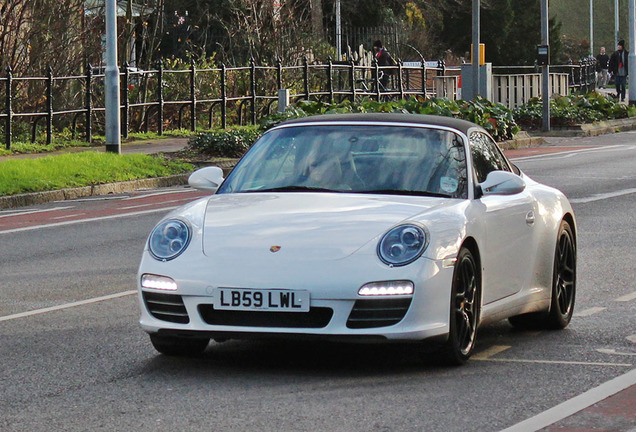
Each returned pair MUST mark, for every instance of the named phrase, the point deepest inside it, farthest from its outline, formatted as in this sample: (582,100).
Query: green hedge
(573,110)
(501,122)
(494,117)
(230,143)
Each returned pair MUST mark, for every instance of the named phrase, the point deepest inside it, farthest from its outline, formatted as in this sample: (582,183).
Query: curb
(521,140)
(28,199)
(591,129)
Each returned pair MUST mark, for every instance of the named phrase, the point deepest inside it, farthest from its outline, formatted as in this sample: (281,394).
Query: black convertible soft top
(379,118)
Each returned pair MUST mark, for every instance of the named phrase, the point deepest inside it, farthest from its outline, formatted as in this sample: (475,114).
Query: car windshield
(399,160)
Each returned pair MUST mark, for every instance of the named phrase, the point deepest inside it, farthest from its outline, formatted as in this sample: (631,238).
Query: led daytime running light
(387,288)
(158,282)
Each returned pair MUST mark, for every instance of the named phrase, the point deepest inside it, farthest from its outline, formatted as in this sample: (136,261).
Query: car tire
(563,279)
(464,310)
(563,287)
(176,346)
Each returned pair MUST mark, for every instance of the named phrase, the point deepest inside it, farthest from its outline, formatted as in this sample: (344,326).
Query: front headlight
(402,245)
(169,239)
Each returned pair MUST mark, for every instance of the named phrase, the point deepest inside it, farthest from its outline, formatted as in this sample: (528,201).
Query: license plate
(261,300)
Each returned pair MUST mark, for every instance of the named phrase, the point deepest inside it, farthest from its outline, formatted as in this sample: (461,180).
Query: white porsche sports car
(366,227)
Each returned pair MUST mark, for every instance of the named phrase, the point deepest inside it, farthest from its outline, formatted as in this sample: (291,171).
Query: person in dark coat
(383,58)
(602,68)
(618,68)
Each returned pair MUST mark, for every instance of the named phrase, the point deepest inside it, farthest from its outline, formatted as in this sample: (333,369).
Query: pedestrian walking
(618,68)
(602,68)
(383,58)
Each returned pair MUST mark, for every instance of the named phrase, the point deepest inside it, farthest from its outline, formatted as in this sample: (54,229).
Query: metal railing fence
(168,98)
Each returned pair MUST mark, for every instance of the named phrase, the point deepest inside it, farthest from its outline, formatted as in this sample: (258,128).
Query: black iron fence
(171,98)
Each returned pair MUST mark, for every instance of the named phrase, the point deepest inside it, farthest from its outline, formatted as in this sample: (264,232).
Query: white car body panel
(237,243)
(327,244)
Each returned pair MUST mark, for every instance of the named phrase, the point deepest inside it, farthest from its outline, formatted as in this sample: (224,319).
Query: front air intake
(166,307)
(370,313)
(317,317)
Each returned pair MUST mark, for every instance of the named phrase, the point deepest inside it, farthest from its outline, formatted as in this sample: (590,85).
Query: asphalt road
(73,358)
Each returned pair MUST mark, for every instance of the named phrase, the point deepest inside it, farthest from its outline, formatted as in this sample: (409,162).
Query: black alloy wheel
(563,279)
(563,287)
(465,308)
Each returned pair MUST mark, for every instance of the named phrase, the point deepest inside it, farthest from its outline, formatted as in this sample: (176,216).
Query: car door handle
(530,218)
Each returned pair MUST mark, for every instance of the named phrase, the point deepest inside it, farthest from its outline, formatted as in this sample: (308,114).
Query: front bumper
(337,311)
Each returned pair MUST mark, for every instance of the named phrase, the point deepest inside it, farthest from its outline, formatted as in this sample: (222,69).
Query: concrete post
(283,99)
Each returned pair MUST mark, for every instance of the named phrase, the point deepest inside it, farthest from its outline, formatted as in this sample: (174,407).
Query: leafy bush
(573,110)
(231,143)
(495,118)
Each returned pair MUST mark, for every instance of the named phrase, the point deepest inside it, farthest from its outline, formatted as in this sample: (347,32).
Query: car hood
(304,226)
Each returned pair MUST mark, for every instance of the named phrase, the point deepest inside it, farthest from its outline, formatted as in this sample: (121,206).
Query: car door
(508,225)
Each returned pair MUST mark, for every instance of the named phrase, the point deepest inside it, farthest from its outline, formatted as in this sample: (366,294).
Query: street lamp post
(592,27)
(476,59)
(338,32)
(111,81)
(545,92)
(631,59)
(616,23)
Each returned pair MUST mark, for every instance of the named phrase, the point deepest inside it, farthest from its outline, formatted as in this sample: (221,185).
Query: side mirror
(502,183)
(206,179)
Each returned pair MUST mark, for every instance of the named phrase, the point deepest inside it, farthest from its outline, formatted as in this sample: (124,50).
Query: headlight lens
(169,239)
(403,244)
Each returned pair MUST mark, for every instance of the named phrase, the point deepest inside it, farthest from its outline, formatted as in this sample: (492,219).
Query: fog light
(158,282)
(388,288)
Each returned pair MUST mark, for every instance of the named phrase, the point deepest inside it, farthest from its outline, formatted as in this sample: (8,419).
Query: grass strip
(81,169)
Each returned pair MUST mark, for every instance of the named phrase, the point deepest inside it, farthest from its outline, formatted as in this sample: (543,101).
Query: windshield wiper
(293,188)
(405,192)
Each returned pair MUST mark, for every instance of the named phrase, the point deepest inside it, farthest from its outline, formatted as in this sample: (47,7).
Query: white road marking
(589,311)
(612,351)
(627,297)
(603,196)
(66,306)
(68,216)
(570,153)
(575,404)
(20,213)
(167,192)
(489,352)
(57,224)
(558,362)
(96,198)
(151,204)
